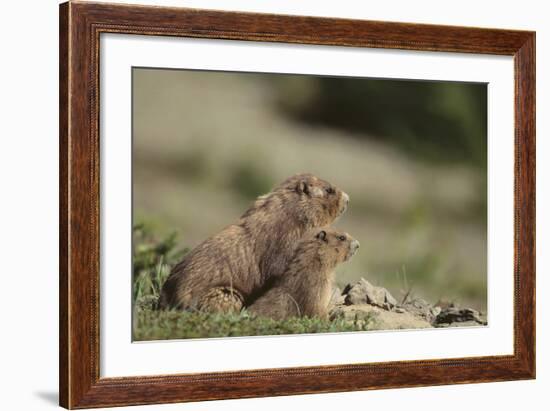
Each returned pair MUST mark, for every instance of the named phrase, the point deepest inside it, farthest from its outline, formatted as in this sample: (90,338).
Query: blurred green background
(411,155)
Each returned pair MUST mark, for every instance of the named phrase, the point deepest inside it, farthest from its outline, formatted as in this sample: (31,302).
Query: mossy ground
(163,325)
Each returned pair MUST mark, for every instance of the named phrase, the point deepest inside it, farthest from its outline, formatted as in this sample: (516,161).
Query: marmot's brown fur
(304,289)
(228,270)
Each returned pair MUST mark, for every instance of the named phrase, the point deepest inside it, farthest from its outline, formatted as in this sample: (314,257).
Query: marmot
(226,271)
(304,289)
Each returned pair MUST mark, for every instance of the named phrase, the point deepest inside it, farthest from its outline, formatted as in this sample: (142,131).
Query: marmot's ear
(322,235)
(302,187)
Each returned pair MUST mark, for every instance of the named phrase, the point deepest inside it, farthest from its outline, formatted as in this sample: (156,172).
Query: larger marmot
(304,290)
(228,270)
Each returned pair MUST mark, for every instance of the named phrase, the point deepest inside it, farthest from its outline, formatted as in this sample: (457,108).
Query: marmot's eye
(329,190)
(342,238)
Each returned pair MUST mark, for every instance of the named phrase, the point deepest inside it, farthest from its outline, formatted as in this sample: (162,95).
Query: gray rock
(451,315)
(358,293)
(392,302)
(459,324)
(420,308)
(362,301)
(337,298)
(435,311)
(364,292)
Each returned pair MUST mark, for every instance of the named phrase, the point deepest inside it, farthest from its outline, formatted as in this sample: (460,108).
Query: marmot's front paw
(221,300)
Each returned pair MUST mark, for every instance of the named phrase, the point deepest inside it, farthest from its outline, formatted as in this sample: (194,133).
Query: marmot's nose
(345,198)
(355,245)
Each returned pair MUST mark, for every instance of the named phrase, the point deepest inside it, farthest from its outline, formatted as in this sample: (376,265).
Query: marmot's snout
(353,247)
(345,202)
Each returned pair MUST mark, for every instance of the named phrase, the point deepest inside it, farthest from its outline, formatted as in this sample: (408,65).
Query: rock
(364,292)
(346,289)
(453,315)
(459,324)
(435,311)
(421,308)
(378,318)
(359,293)
(363,301)
(337,297)
(389,299)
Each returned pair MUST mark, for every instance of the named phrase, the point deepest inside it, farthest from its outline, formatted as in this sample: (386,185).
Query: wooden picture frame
(80,27)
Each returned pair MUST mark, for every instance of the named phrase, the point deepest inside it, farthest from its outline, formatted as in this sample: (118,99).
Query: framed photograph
(258,205)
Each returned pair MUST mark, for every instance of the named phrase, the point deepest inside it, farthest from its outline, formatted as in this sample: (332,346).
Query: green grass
(162,325)
(153,260)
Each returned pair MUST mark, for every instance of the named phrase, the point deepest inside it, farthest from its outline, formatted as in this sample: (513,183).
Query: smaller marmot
(304,290)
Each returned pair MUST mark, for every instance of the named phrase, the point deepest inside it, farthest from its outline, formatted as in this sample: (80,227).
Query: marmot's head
(319,202)
(335,247)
